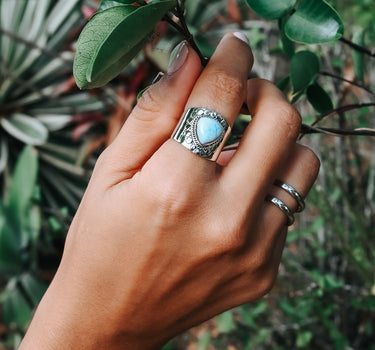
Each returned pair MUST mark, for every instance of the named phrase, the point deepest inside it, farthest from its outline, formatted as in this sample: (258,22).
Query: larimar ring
(283,207)
(293,192)
(203,132)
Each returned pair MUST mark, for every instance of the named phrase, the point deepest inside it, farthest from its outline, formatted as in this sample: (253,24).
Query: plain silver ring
(293,192)
(283,207)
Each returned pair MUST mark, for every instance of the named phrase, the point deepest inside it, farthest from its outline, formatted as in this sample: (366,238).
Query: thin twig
(308,129)
(328,74)
(357,47)
(342,109)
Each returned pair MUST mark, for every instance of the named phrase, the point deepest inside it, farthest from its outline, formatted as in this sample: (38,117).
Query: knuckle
(148,105)
(226,87)
(168,197)
(290,119)
(266,284)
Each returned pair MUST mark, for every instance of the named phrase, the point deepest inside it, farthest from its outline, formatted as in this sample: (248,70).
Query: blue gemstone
(208,130)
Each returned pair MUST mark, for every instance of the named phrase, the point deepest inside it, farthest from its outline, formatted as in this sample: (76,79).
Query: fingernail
(178,57)
(241,36)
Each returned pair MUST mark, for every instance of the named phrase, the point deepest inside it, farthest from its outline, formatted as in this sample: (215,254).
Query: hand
(164,239)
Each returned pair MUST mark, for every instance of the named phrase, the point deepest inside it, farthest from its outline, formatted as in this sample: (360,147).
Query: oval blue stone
(208,130)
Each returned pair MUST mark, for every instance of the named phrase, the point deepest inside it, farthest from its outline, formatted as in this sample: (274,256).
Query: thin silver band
(203,132)
(283,207)
(293,192)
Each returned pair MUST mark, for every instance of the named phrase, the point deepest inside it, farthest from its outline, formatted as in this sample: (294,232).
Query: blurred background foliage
(51,133)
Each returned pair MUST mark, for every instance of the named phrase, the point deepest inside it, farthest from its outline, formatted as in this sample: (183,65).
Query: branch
(357,47)
(308,129)
(342,109)
(188,36)
(348,81)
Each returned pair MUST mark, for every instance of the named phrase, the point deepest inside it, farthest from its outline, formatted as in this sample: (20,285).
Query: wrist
(67,319)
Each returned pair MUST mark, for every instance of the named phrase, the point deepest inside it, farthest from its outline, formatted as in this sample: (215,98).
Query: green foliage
(272,9)
(112,38)
(314,22)
(20,224)
(304,68)
(319,98)
(358,57)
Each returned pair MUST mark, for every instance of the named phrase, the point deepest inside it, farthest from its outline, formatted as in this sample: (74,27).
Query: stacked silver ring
(282,206)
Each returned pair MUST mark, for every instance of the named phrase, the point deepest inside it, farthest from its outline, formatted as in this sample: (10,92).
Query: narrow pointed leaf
(25,128)
(314,22)
(112,38)
(319,98)
(23,182)
(271,9)
(304,67)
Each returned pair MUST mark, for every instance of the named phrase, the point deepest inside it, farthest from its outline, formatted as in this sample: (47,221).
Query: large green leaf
(319,98)
(314,22)
(304,67)
(271,9)
(111,40)
(25,128)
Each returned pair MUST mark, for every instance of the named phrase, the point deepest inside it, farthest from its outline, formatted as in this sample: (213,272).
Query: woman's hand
(165,239)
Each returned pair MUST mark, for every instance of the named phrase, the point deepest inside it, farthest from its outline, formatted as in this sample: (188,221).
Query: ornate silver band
(203,132)
(283,207)
(293,192)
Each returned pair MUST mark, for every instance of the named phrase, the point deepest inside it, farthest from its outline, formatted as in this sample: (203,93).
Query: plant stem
(184,30)
(308,129)
(348,81)
(342,109)
(358,47)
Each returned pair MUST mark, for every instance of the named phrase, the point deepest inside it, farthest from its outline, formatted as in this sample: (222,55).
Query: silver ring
(203,132)
(283,207)
(293,192)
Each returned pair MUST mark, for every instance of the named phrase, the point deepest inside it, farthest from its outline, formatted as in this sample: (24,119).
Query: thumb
(154,117)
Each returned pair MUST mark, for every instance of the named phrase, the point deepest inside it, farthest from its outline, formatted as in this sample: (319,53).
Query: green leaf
(358,57)
(112,38)
(271,9)
(314,22)
(25,128)
(225,322)
(34,288)
(303,339)
(287,44)
(304,67)
(106,4)
(23,182)
(16,309)
(283,83)
(4,153)
(319,98)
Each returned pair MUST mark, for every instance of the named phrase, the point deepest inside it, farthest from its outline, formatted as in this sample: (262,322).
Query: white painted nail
(241,36)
